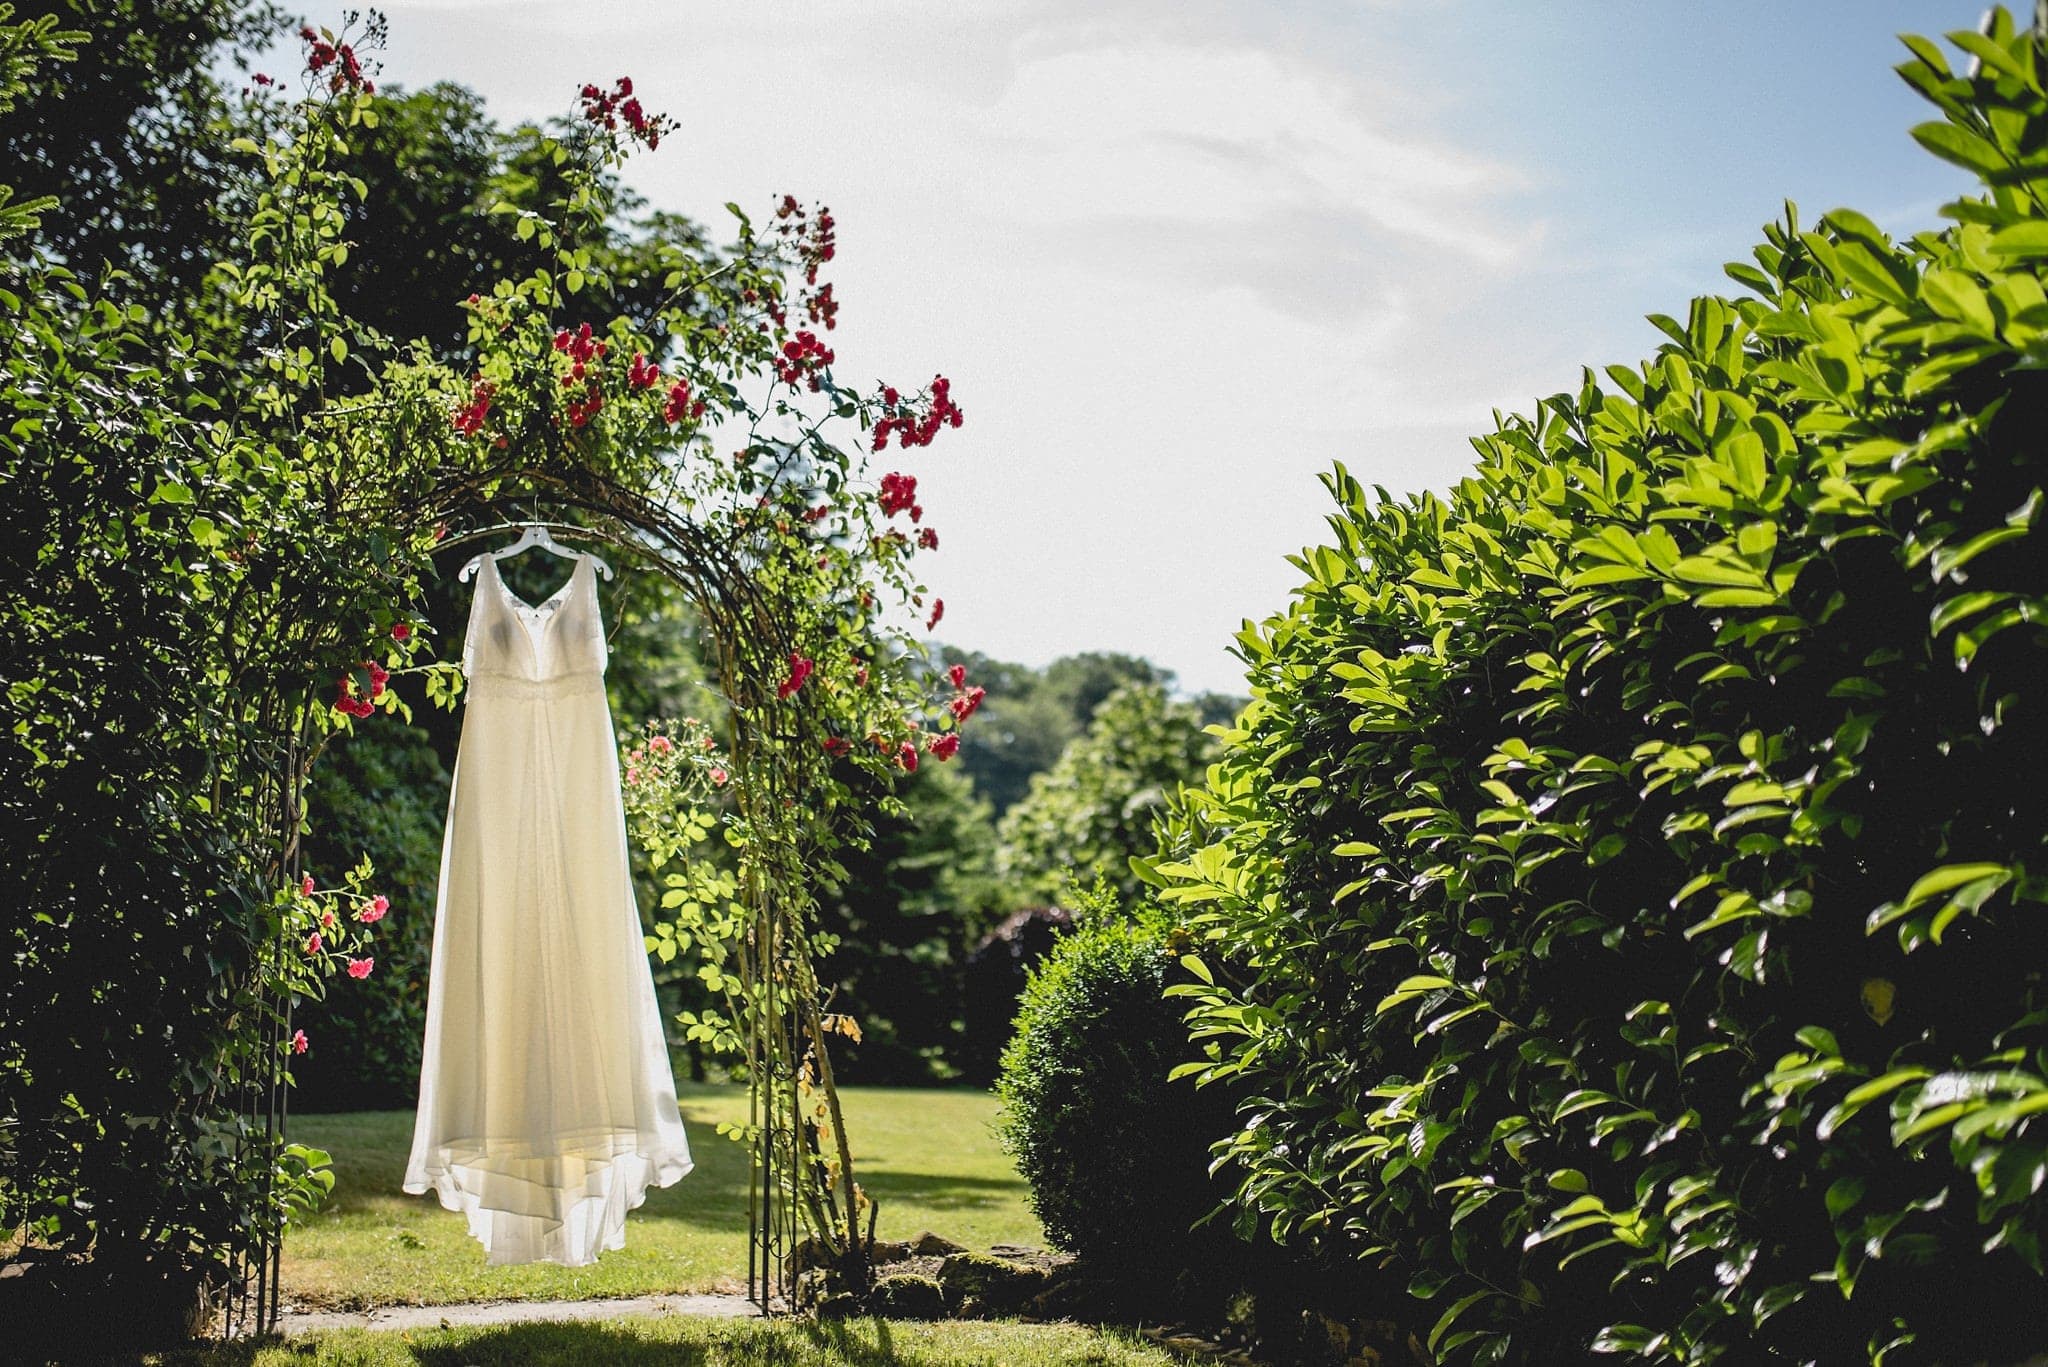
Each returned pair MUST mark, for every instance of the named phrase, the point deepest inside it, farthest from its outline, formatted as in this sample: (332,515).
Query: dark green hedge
(1625,889)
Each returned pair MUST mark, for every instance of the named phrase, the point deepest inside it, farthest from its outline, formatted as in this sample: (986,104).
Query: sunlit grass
(681,1342)
(928,1157)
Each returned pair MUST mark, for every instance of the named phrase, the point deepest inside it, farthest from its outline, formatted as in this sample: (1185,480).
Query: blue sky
(1177,257)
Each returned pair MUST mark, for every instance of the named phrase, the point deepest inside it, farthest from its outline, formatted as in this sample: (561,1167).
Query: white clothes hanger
(534,536)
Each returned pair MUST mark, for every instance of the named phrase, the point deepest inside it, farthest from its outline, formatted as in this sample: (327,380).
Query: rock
(838,1306)
(1013,1251)
(809,1253)
(930,1245)
(892,1251)
(977,1284)
(909,1296)
(1189,1345)
(815,1286)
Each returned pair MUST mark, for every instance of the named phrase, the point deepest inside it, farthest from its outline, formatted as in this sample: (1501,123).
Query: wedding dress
(547,1105)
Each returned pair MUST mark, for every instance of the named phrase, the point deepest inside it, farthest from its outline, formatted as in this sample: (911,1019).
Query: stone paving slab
(514,1312)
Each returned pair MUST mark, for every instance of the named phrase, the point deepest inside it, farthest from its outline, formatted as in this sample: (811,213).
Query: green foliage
(1115,1154)
(423,235)
(1093,811)
(911,904)
(26,47)
(127,140)
(1032,714)
(381,794)
(172,609)
(1624,889)
(677,813)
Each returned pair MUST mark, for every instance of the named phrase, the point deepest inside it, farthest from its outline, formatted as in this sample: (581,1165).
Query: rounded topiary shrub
(1116,1156)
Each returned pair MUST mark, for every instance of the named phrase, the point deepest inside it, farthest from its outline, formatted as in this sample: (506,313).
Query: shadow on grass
(951,1191)
(561,1345)
(865,1344)
(855,1343)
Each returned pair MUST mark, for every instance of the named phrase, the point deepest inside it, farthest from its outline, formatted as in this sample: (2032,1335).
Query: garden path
(514,1312)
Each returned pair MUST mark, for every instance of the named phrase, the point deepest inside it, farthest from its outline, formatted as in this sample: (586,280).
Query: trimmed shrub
(1116,1155)
(1625,884)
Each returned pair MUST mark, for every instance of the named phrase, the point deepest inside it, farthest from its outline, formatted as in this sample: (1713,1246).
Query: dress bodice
(513,641)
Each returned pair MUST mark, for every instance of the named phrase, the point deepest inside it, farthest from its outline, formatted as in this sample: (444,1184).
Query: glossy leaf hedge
(1625,889)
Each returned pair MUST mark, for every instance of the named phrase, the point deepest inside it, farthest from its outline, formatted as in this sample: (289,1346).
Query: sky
(1178,258)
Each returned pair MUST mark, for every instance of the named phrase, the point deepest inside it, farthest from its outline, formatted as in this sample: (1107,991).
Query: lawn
(928,1157)
(697,1343)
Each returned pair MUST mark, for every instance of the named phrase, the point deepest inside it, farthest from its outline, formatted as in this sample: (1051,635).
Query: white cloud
(1174,264)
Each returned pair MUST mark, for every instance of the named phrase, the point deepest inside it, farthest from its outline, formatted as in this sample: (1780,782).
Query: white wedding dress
(547,1106)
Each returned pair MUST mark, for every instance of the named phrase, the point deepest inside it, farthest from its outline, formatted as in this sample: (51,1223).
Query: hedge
(1623,891)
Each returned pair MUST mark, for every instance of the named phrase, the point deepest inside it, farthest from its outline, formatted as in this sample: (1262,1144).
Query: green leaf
(1993,55)
(1451,1316)
(1411,988)
(1862,1096)
(1955,295)
(1951,876)
(1960,146)
(1962,607)
(2025,240)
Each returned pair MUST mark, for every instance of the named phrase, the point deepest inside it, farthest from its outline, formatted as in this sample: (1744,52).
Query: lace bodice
(515,641)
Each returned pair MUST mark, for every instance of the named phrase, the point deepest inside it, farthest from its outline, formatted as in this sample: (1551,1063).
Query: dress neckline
(548,606)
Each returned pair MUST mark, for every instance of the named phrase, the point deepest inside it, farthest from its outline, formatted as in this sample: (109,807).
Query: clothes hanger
(535,536)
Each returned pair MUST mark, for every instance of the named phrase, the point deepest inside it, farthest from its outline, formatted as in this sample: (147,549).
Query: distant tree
(1217,709)
(1094,809)
(125,137)
(1082,683)
(910,906)
(1032,715)
(424,237)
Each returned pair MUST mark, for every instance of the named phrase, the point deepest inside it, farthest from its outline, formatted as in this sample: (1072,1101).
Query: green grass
(928,1157)
(697,1343)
